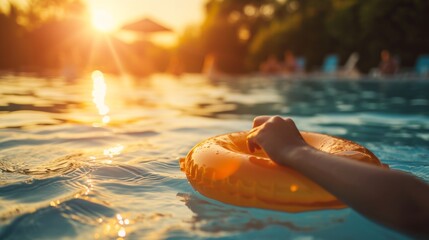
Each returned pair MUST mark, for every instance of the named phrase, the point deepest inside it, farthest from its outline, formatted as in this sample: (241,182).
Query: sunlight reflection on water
(99,95)
(64,167)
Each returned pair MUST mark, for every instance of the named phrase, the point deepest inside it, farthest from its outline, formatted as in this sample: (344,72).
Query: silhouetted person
(388,65)
(271,65)
(289,64)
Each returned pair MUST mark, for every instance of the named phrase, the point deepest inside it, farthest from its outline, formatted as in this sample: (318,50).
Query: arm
(392,198)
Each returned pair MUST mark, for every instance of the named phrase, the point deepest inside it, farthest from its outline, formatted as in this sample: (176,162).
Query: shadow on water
(217,217)
(222,220)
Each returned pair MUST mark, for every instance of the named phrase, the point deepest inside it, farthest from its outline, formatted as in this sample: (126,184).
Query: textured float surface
(222,168)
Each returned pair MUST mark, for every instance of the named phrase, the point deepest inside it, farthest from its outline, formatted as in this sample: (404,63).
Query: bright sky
(175,14)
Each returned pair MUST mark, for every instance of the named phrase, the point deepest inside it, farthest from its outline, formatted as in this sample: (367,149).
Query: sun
(103,21)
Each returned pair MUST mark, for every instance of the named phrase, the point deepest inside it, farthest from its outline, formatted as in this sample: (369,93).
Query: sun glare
(103,21)
(99,96)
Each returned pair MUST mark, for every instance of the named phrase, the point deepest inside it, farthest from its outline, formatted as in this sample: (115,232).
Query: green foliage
(37,35)
(240,34)
(314,29)
(301,31)
(190,50)
(11,38)
(56,35)
(397,25)
(273,40)
(41,11)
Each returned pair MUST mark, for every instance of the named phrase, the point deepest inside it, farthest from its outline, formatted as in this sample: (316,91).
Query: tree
(314,29)
(11,38)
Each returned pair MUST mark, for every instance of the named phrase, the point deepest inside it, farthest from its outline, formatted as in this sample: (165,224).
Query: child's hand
(277,136)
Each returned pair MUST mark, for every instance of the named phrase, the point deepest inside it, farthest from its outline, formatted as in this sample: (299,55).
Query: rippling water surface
(98,157)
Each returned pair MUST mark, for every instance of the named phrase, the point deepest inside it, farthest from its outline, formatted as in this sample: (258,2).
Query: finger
(250,145)
(258,121)
(250,139)
(292,127)
(252,131)
(253,146)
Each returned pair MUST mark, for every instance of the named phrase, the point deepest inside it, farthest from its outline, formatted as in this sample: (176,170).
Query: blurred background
(97,107)
(142,37)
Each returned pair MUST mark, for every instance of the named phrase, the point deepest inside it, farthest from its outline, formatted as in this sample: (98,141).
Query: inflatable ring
(222,168)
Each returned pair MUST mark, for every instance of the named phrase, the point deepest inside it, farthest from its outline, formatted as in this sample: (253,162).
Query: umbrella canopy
(145,25)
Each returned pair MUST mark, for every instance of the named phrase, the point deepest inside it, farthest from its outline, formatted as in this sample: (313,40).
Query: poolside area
(98,158)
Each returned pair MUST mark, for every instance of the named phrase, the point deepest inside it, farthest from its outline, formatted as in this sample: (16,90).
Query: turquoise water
(68,174)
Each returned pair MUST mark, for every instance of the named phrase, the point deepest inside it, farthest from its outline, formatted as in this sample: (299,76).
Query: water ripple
(65,176)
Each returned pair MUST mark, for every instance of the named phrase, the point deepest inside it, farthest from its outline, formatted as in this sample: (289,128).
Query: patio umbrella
(145,25)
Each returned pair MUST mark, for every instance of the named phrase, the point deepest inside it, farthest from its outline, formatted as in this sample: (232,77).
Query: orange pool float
(222,168)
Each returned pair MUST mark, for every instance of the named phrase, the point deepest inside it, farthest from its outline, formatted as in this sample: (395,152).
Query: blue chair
(300,64)
(422,65)
(330,64)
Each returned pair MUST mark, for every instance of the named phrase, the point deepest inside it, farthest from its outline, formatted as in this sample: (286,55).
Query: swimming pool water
(78,162)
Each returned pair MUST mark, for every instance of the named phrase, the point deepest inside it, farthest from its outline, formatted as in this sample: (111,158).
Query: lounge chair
(330,64)
(422,65)
(300,64)
(349,69)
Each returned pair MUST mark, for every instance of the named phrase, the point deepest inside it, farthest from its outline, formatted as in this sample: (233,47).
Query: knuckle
(274,120)
(288,120)
(258,118)
(267,125)
(277,118)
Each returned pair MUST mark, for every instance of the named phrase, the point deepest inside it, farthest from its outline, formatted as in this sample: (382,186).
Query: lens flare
(102,21)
